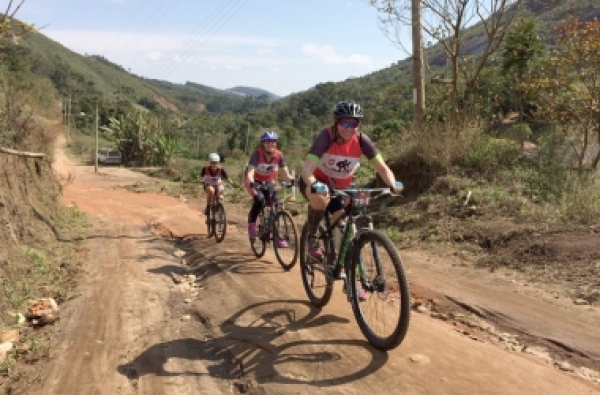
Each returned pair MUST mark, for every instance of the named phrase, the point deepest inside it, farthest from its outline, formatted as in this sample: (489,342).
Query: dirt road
(216,320)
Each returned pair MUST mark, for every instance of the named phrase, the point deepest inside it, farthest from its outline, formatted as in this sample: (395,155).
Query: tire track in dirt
(329,351)
(250,328)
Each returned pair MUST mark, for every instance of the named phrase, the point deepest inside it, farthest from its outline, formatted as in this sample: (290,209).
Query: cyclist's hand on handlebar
(318,187)
(254,185)
(397,188)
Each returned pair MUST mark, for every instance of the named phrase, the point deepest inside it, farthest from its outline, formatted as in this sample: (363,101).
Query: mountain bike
(276,224)
(216,220)
(373,271)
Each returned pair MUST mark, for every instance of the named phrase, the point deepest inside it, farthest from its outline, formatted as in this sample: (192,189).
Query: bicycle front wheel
(219,221)
(259,243)
(317,283)
(380,295)
(285,240)
(210,223)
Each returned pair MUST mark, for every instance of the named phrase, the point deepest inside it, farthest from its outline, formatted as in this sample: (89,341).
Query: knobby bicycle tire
(259,243)
(292,233)
(307,271)
(219,235)
(210,228)
(401,326)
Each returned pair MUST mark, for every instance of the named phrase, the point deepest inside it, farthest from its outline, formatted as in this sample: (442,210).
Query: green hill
(90,77)
(385,94)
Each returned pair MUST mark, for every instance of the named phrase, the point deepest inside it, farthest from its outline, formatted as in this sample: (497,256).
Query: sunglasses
(269,141)
(214,163)
(349,124)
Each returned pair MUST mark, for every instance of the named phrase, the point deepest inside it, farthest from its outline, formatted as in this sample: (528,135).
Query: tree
(141,138)
(568,89)
(445,22)
(522,47)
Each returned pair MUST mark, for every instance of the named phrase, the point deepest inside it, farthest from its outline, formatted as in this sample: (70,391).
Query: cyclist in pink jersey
(263,167)
(332,161)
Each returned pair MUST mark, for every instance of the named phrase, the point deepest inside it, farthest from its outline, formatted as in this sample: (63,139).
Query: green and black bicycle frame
(349,248)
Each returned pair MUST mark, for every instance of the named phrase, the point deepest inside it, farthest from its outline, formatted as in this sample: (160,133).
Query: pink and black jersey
(266,169)
(338,162)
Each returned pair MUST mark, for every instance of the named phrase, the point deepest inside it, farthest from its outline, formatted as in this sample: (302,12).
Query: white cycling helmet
(214,157)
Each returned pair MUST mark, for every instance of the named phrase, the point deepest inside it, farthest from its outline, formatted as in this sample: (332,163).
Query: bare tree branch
(22,153)
(445,22)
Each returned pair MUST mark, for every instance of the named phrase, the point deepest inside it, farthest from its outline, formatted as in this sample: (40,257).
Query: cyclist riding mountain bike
(211,176)
(332,161)
(264,166)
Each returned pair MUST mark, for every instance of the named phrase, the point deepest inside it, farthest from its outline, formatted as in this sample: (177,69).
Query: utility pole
(247,137)
(69,121)
(96,150)
(417,66)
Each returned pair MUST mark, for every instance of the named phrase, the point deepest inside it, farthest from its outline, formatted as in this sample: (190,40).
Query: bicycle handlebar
(276,186)
(353,191)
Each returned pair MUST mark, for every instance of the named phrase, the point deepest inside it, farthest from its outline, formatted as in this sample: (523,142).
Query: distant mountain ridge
(255,92)
(94,76)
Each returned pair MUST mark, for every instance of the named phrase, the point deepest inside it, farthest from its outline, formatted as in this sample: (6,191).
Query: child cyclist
(211,176)
(263,167)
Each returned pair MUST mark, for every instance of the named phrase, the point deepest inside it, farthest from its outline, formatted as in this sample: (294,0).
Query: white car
(109,156)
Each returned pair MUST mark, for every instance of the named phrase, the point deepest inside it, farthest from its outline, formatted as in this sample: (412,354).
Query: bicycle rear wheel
(259,243)
(285,240)
(380,295)
(317,283)
(219,221)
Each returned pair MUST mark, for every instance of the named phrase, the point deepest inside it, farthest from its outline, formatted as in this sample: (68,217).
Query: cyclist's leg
(221,192)
(258,201)
(209,194)
(252,193)
(316,210)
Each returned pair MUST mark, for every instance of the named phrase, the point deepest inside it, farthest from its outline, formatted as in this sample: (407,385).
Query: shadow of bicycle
(205,260)
(285,341)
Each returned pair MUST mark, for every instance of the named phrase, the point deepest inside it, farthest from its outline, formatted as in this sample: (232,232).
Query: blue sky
(282,46)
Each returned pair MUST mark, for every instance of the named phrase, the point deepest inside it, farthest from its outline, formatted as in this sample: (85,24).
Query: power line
(195,47)
(126,25)
(148,21)
(189,38)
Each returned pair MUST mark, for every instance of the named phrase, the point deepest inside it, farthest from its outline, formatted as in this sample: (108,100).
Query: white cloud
(276,70)
(328,55)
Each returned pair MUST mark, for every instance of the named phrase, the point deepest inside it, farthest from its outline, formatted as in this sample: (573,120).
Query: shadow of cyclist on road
(284,341)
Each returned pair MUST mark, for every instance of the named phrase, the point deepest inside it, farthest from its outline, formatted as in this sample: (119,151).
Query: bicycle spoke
(258,243)
(285,240)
